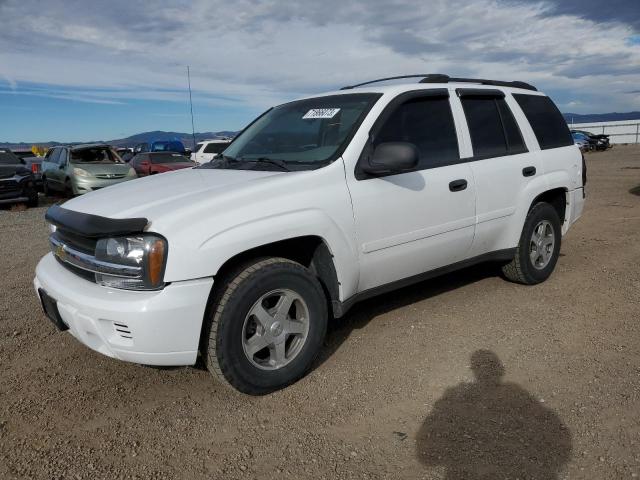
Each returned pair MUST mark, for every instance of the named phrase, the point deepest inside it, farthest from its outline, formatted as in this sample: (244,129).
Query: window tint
(62,157)
(547,122)
(215,147)
(515,143)
(485,126)
(493,130)
(53,157)
(427,122)
(7,157)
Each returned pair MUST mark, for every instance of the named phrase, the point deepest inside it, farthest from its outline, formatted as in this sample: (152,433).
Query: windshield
(168,158)
(95,155)
(308,131)
(8,158)
(167,147)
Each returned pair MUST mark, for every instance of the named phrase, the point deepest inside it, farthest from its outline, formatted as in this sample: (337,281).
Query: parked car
(159,162)
(582,142)
(32,163)
(79,169)
(17,183)
(596,141)
(207,150)
(318,204)
(161,146)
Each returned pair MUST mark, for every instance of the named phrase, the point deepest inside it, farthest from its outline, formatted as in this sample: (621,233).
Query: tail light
(35,168)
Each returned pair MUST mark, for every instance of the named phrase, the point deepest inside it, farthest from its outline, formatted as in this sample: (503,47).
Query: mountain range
(145,137)
(187,138)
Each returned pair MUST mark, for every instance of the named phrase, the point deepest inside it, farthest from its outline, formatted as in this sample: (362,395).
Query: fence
(626,131)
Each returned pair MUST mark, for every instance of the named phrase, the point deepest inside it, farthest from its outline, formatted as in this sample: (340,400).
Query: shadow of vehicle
(490,429)
(362,313)
(635,190)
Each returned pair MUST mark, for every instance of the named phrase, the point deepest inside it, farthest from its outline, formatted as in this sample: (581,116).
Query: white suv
(206,150)
(317,204)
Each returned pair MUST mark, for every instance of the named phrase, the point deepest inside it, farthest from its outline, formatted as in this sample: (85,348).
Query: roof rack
(441,78)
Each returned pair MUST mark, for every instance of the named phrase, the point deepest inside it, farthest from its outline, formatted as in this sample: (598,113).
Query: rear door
(501,164)
(52,167)
(413,222)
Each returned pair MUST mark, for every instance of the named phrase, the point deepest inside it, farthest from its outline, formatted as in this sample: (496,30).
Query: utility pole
(193,128)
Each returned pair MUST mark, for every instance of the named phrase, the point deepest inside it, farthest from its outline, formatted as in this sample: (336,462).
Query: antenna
(193,128)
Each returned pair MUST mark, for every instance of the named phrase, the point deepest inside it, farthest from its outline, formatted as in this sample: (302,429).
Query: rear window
(171,146)
(94,155)
(545,119)
(215,147)
(8,158)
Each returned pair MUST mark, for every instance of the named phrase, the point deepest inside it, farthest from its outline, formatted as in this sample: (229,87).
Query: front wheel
(265,326)
(539,247)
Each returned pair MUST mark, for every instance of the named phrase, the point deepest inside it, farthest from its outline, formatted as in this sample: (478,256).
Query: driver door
(413,222)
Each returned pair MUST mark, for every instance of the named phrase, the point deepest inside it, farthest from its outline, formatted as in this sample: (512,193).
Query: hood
(169,194)
(9,171)
(173,166)
(103,168)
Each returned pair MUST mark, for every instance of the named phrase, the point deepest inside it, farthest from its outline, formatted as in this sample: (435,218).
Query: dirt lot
(394,393)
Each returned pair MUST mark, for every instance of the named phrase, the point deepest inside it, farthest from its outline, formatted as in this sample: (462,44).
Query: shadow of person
(493,430)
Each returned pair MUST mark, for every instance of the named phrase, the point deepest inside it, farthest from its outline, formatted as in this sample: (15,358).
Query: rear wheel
(265,326)
(539,247)
(68,188)
(45,187)
(32,194)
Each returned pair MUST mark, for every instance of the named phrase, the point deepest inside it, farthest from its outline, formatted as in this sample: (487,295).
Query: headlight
(80,172)
(145,255)
(52,227)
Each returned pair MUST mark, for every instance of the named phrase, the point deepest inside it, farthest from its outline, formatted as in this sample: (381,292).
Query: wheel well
(557,198)
(310,251)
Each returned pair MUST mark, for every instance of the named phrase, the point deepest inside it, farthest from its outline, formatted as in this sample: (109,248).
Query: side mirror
(392,157)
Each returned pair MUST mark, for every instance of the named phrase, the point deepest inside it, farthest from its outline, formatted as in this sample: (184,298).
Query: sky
(79,70)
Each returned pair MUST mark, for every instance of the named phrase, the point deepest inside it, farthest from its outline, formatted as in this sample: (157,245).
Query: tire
(230,325)
(534,261)
(68,189)
(32,193)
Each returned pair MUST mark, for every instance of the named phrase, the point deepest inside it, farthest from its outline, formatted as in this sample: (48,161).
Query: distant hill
(157,135)
(600,117)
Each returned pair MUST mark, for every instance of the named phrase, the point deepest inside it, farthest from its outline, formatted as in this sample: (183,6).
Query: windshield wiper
(272,161)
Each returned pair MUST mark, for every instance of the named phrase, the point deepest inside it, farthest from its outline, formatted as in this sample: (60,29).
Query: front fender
(214,251)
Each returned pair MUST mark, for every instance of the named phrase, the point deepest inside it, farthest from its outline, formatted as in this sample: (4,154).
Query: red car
(150,163)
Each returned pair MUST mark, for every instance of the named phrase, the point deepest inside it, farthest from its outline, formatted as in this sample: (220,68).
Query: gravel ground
(466,376)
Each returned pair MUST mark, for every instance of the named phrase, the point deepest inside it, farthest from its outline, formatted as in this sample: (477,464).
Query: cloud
(252,54)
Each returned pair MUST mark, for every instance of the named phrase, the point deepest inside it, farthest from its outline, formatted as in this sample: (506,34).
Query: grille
(90,276)
(84,244)
(109,176)
(122,330)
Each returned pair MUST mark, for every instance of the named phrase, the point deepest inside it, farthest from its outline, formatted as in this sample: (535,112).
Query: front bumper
(82,185)
(152,328)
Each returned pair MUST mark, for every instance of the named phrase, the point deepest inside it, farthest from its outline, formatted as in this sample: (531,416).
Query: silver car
(79,169)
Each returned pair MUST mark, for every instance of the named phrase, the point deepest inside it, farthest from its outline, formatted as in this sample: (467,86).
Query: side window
(55,153)
(515,143)
(485,126)
(427,122)
(62,158)
(545,119)
(215,147)
(494,132)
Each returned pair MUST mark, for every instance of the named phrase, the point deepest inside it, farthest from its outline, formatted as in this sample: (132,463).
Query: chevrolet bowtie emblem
(61,253)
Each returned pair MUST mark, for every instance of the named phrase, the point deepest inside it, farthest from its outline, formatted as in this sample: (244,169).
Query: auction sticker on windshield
(321,113)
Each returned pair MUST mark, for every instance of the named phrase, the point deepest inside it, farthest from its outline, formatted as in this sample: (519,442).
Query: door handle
(529,171)
(458,185)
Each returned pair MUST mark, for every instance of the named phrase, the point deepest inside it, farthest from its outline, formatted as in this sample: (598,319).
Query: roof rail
(441,78)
